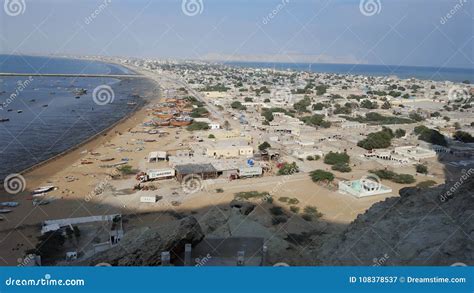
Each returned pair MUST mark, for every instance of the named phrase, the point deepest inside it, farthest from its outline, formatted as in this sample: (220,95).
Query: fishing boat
(80,92)
(43,189)
(181,121)
(5,211)
(10,204)
(41,202)
(161,122)
(4,119)
(19,111)
(131,103)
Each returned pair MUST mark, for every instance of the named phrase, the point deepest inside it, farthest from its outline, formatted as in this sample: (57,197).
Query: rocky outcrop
(432,226)
(143,246)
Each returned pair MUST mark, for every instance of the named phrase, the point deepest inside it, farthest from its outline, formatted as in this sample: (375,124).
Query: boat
(80,92)
(41,202)
(131,103)
(78,97)
(44,106)
(19,111)
(43,189)
(181,121)
(9,110)
(164,115)
(5,211)
(161,122)
(10,204)
(4,119)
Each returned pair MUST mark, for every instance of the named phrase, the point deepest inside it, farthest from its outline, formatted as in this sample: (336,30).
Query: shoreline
(40,172)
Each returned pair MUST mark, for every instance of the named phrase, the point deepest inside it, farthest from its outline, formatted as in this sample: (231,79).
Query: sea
(402,72)
(47,116)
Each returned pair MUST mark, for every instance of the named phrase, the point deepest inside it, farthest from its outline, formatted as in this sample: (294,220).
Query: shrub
(211,136)
(265,145)
(336,158)
(294,209)
(283,199)
(252,194)
(219,190)
(276,211)
(127,170)
(426,184)
(341,167)
(198,126)
(392,176)
(293,201)
(321,175)
(288,169)
(420,168)
(310,158)
(377,140)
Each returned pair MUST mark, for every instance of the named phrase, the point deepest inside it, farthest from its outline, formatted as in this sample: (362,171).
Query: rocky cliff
(433,226)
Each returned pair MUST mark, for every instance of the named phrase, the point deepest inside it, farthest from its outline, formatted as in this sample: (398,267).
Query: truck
(246,172)
(156,174)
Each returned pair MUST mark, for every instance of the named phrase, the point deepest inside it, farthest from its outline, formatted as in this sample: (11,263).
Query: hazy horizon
(397,33)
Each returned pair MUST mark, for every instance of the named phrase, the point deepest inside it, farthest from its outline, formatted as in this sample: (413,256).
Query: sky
(436,33)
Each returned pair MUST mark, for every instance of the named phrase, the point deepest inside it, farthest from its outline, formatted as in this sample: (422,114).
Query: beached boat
(131,103)
(181,121)
(5,211)
(41,202)
(10,204)
(161,122)
(43,189)
(164,115)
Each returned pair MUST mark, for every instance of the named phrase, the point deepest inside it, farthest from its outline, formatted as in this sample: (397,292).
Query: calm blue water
(425,73)
(40,132)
